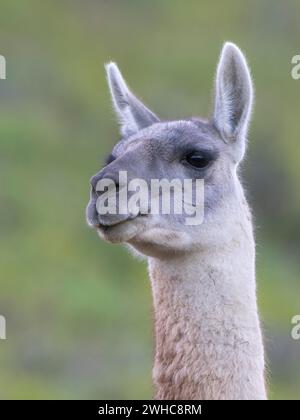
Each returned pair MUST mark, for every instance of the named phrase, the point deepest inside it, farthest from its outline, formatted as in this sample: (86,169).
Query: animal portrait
(208,342)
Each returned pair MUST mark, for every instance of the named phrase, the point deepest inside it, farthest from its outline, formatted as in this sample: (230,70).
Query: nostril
(93,182)
(113,187)
(108,182)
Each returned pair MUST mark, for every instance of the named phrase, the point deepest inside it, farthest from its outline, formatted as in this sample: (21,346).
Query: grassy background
(79,311)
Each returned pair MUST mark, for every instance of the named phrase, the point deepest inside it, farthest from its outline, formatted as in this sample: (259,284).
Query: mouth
(122,231)
(114,227)
(106,226)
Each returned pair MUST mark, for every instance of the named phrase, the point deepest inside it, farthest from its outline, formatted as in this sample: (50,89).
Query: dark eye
(197,160)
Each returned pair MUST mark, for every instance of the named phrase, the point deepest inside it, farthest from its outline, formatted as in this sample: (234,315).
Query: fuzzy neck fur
(208,338)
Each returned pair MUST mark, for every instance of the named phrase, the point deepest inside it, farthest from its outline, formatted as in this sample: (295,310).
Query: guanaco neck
(208,338)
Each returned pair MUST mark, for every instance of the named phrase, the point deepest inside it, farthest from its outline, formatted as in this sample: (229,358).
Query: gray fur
(132,113)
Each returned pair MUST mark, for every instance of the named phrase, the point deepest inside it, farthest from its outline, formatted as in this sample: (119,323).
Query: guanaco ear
(131,112)
(233,96)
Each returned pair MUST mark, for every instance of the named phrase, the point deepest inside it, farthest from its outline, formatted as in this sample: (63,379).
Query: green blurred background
(79,313)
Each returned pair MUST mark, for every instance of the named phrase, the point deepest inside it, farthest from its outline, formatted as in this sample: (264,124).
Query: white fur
(208,338)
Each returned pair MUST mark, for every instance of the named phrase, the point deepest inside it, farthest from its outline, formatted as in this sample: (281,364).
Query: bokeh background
(79,313)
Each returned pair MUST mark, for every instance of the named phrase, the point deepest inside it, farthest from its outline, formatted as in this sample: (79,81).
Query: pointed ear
(132,113)
(233,95)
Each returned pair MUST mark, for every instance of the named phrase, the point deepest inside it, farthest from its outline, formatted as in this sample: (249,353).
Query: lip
(114,220)
(106,223)
(107,227)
